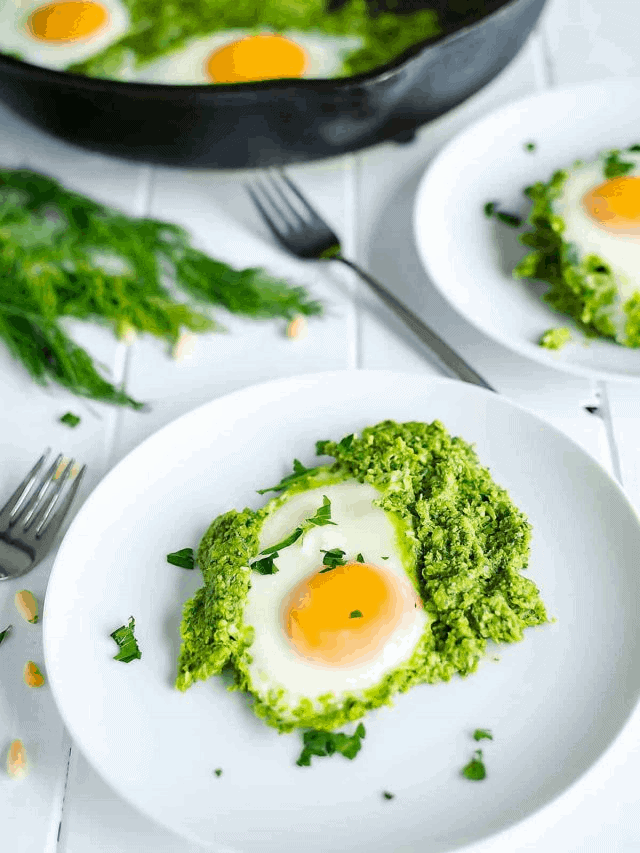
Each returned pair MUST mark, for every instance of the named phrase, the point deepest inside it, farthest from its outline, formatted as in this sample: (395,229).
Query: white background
(63,806)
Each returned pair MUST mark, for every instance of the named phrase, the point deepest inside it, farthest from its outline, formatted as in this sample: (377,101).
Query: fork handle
(427,336)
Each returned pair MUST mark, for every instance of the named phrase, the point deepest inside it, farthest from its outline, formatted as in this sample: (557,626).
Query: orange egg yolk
(67,21)
(261,57)
(344,615)
(615,204)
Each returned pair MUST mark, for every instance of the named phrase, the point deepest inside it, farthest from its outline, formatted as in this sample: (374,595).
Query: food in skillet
(393,567)
(585,244)
(209,41)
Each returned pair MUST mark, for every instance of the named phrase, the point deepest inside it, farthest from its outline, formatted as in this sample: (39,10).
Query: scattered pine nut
(297,328)
(17,760)
(32,675)
(184,347)
(27,605)
(63,464)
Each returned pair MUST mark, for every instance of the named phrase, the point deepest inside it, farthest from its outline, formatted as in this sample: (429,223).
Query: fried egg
(60,33)
(338,631)
(602,217)
(240,56)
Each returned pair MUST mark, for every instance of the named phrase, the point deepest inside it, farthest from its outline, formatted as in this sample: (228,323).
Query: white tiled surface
(368,197)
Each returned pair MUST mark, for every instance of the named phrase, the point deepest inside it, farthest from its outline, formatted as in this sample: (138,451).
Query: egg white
(620,251)
(15,37)
(360,527)
(325,55)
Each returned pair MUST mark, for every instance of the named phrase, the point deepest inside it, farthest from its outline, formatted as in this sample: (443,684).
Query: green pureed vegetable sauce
(160,27)
(464,547)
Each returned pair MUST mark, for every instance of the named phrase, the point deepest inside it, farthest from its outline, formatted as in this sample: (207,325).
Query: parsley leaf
(218,771)
(388,795)
(266,566)
(509,219)
(333,558)
(327,743)
(530,146)
(346,442)
(5,633)
(360,558)
(129,649)
(475,769)
(633,148)
(481,734)
(183,558)
(70,419)
(614,167)
(355,614)
(288,540)
(299,470)
(490,208)
(322,516)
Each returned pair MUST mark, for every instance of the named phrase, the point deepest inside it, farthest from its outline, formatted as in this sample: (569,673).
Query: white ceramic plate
(554,701)
(469,257)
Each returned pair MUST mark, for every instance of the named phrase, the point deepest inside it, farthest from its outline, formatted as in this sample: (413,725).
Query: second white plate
(469,257)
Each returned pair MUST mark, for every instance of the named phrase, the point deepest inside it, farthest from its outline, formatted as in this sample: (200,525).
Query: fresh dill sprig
(63,255)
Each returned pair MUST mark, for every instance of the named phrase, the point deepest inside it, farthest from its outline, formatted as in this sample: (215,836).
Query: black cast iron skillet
(277,122)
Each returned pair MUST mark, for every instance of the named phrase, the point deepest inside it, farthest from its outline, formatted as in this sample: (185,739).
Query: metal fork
(302,232)
(28,523)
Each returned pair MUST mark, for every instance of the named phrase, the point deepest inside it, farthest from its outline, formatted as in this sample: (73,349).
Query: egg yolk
(67,21)
(345,614)
(261,57)
(615,204)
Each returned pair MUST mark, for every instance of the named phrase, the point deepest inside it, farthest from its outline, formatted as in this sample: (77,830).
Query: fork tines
(32,505)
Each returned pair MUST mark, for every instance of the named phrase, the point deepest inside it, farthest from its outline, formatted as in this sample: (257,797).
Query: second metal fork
(302,232)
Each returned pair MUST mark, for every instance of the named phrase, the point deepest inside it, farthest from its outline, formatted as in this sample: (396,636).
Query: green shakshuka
(392,567)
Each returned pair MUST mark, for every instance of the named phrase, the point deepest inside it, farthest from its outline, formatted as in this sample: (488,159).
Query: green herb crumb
(322,744)
(388,795)
(355,614)
(218,771)
(490,208)
(614,167)
(5,633)
(555,339)
(509,219)
(530,146)
(475,769)
(128,644)
(70,419)
(183,558)
(482,734)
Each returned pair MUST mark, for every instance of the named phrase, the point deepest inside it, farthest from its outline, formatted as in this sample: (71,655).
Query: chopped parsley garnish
(218,771)
(384,558)
(288,540)
(633,148)
(327,743)
(530,146)
(322,517)
(183,558)
(360,558)
(299,470)
(355,614)
(475,769)
(332,559)
(388,795)
(509,219)
(128,644)
(482,734)
(64,256)
(70,419)
(614,167)
(5,633)
(265,565)
(346,442)
(490,208)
